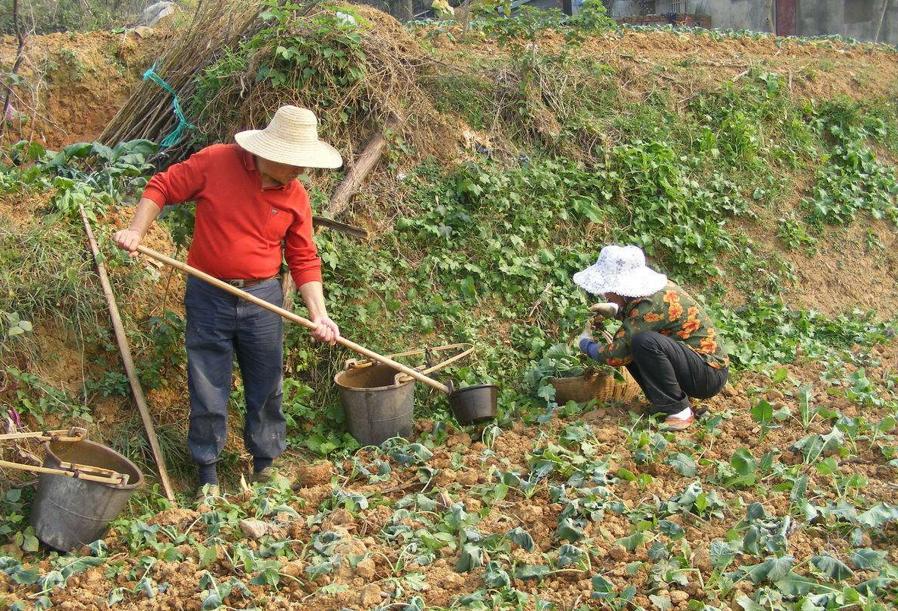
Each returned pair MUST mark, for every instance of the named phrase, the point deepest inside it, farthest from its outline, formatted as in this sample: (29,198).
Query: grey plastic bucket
(376,407)
(68,512)
(474,404)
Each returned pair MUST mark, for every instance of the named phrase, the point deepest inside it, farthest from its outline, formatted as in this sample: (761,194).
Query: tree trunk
(358,172)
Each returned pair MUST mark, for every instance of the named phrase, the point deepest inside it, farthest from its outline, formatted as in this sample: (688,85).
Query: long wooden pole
(882,18)
(290,316)
(128,361)
(356,232)
(20,55)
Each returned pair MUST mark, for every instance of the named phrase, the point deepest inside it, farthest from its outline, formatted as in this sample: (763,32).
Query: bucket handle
(467,350)
(67,469)
(70,435)
(77,472)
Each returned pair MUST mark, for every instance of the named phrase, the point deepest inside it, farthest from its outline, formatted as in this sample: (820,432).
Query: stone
(155,12)
(254,529)
(314,474)
(467,478)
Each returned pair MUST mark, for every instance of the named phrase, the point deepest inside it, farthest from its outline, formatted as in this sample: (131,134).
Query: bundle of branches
(148,111)
(355,67)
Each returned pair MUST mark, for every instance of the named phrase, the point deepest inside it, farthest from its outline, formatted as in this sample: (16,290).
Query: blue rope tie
(175,136)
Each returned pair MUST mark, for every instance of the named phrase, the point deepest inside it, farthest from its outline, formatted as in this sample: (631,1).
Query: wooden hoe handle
(290,316)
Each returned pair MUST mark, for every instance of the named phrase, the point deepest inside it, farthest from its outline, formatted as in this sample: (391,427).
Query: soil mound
(72,84)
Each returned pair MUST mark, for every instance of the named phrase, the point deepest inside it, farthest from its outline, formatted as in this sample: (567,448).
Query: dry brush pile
(356,67)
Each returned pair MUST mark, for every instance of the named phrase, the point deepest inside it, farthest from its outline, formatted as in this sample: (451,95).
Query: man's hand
(326,331)
(127,239)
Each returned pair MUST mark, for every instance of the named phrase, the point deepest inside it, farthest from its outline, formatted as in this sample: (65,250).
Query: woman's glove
(587,333)
(605,310)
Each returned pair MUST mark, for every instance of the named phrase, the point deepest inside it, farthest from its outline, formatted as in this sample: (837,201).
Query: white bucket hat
(291,138)
(621,270)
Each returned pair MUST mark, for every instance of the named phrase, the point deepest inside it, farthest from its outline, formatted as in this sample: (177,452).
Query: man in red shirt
(251,214)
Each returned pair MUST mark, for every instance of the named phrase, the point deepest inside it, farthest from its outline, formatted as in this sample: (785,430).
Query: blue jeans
(220,325)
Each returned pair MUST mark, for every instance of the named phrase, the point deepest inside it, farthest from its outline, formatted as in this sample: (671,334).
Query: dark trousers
(669,372)
(220,326)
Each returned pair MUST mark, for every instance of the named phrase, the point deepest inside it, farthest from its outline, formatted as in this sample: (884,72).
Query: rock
(254,529)
(448,476)
(424,425)
(370,596)
(365,568)
(617,553)
(155,12)
(454,579)
(143,31)
(678,596)
(459,439)
(348,545)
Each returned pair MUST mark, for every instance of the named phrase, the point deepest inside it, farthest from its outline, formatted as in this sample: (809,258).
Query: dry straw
(148,111)
(388,92)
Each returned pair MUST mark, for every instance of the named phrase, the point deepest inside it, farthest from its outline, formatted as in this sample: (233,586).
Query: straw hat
(621,270)
(291,138)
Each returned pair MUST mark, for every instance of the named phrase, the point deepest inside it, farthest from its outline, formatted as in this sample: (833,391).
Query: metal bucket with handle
(82,487)
(379,401)
(469,405)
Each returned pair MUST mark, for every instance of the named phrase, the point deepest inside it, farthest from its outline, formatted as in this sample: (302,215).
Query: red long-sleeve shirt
(240,225)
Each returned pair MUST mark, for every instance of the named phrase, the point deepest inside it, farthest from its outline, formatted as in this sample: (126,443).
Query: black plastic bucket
(474,404)
(376,407)
(68,512)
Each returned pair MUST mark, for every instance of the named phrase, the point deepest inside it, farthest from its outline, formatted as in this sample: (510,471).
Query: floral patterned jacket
(671,312)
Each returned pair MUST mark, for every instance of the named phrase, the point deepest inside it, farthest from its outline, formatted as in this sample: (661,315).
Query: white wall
(853,18)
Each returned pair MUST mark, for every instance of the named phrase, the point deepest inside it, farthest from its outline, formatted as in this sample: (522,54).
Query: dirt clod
(314,474)
(370,596)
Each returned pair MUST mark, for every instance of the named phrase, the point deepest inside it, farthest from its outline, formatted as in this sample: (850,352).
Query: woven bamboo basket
(613,389)
(603,386)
